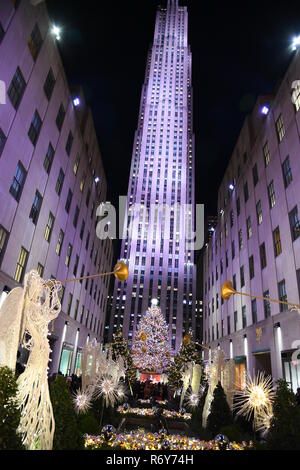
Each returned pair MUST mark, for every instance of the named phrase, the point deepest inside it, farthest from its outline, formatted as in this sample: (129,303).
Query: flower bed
(142,440)
(151,412)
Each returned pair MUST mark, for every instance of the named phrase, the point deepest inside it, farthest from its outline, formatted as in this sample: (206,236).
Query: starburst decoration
(121,392)
(263,420)
(192,398)
(107,388)
(256,399)
(82,402)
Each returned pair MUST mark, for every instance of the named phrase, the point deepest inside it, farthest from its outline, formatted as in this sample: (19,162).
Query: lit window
(21,265)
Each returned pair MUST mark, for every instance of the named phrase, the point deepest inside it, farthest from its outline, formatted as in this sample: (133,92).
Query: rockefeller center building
(51,181)
(162,173)
(256,243)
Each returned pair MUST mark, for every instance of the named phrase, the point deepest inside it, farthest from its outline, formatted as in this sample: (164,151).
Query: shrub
(9,413)
(220,413)
(67,435)
(285,426)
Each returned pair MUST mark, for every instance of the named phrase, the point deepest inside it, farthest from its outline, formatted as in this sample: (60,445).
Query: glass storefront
(66,360)
(78,370)
(291,370)
(240,373)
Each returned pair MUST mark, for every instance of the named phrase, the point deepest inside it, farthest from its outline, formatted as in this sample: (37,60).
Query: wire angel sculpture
(41,306)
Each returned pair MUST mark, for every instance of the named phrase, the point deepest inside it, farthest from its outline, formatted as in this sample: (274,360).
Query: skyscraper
(162,172)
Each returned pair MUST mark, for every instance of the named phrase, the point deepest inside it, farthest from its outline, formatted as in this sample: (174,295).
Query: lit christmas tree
(150,350)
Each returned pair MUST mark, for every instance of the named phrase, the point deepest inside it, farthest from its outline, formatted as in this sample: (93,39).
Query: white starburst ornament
(82,402)
(256,398)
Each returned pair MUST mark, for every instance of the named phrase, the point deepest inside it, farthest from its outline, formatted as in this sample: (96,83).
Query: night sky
(239,50)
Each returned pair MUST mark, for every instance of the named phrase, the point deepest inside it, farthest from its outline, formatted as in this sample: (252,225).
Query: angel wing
(11,330)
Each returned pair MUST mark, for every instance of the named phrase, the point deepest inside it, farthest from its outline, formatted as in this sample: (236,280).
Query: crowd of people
(146,390)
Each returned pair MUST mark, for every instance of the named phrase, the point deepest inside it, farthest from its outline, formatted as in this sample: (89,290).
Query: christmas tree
(9,412)
(151,349)
(220,413)
(120,348)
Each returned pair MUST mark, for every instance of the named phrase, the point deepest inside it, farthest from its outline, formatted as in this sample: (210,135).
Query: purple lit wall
(35,181)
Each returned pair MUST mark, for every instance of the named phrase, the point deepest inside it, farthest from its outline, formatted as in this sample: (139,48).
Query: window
(76,265)
(238,206)
(60,117)
(88,195)
(40,269)
(2,32)
(294,223)
(277,242)
(87,241)
(76,165)
(82,183)
(255,175)
(244,316)
(2,141)
(232,249)
(76,309)
(49,84)
(263,257)
(49,227)
(296,98)
(282,294)
(242,275)
(228,325)
(280,128)
(68,201)
(231,218)
(287,172)
(235,320)
(234,281)
(297,272)
(240,239)
(246,192)
(16,89)
(254,311)
(60,182)
(69,143)
(35,42)
(70,299)
(267,305)
(249,227)
(76,215)
(259,212)
(59,242)
(21,265)
(3,241)
(82,229)
(49,158)
(18,182)
(266,152)
(35,128)
(36,207)
(68,255)
(271,194)
(251,267)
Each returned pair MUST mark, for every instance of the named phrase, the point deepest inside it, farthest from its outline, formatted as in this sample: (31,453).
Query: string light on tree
(151,347)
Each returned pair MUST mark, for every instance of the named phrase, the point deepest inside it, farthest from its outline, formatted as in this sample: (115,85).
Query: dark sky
(240,50)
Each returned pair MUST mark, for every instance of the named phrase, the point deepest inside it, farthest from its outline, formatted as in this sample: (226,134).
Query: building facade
(256,243)
(162,173)
(51,181)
